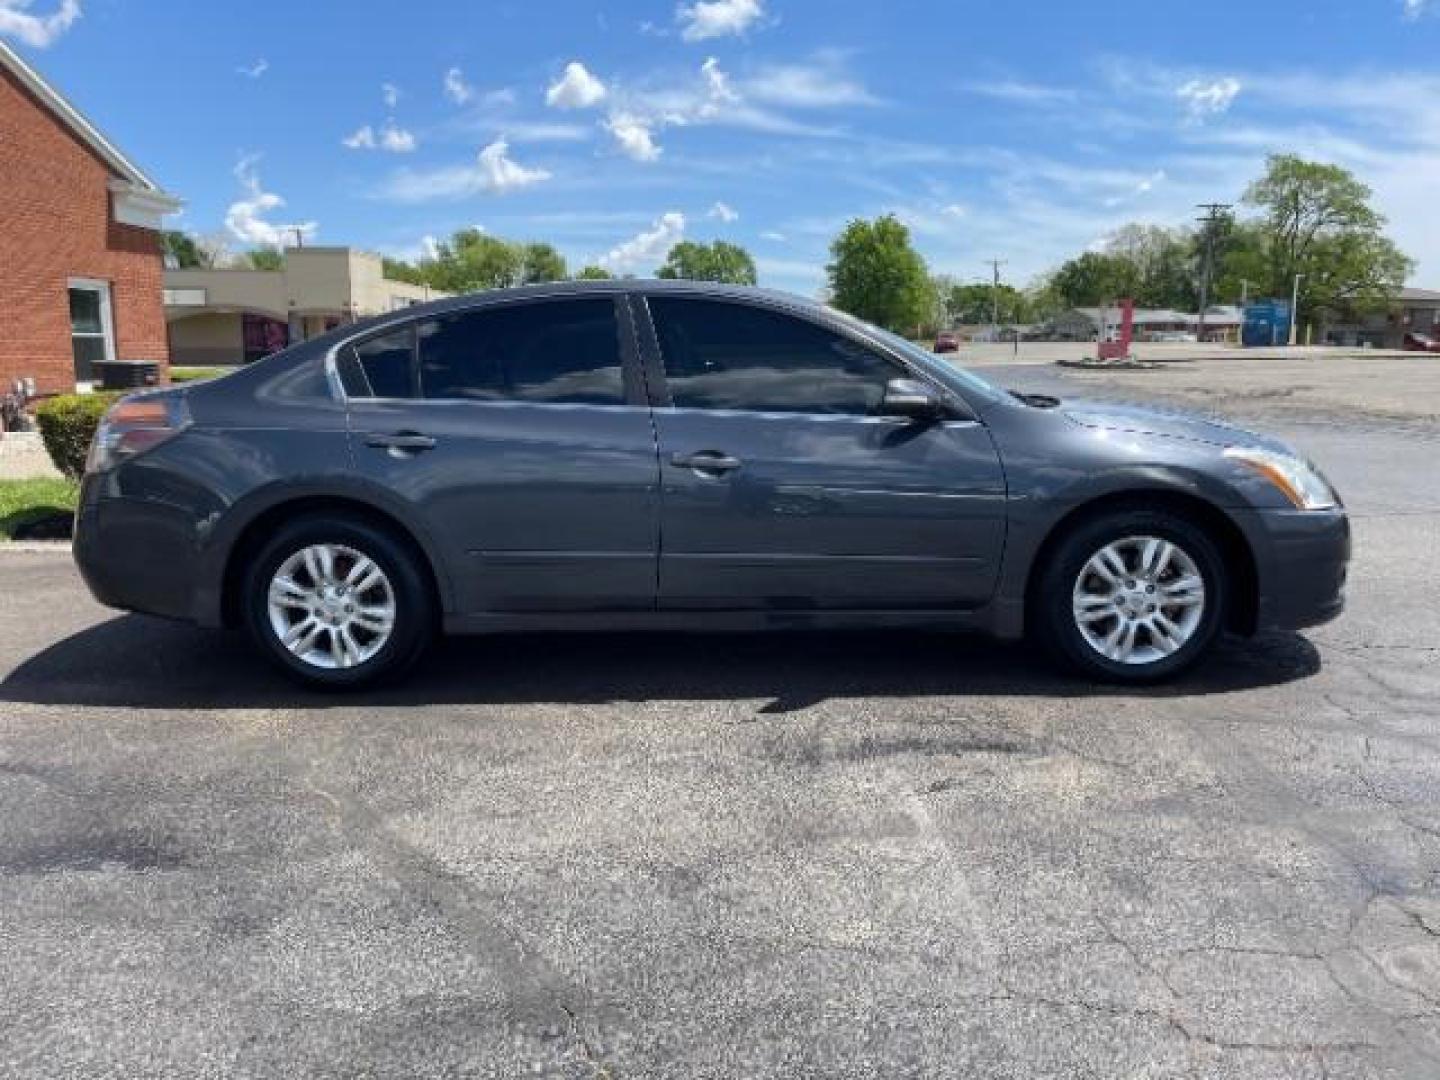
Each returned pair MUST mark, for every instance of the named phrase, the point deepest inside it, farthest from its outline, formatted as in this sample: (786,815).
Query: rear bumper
(1304,566)
(134,554)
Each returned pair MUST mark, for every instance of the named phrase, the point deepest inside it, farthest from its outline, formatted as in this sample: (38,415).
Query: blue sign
(1267,322)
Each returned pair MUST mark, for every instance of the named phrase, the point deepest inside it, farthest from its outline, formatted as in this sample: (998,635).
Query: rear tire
(338,603)
(1134,596)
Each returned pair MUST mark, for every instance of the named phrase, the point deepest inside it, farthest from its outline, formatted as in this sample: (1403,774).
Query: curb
(1111,365)
(34,547)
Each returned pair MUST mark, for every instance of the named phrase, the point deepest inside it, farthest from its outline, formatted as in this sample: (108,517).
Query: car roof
(610,286)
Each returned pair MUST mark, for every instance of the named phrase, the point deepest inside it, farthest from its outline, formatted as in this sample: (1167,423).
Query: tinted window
(731,356)
(553,351)
(384,367)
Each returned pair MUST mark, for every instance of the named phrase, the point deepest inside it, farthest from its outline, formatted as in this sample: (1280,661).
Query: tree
(593,273)
(719,261)
(1096,278)
(541,262)
(264,258)
(974,304)
(400,270)
(1164,261)
(875,274)
(1316,220)
(472,260)
(181,251)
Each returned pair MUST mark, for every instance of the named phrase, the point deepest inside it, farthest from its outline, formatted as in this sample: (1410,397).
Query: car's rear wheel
(1133,596)
(338,602)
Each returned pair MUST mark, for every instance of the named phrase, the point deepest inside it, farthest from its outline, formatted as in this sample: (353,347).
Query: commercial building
(232,316)
(80,249)
(1415,311)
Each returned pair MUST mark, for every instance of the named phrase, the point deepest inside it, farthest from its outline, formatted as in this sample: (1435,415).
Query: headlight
(1297,479)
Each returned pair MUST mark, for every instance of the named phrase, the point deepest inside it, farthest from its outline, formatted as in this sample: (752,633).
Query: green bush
(67,425)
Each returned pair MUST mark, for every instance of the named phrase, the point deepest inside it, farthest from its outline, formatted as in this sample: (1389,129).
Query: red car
(945,341)
(1413,343)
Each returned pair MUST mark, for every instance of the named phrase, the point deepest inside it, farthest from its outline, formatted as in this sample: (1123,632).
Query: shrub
(67,425)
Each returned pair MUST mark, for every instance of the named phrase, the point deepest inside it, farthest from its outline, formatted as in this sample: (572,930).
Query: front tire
(1133,596)
(338,603)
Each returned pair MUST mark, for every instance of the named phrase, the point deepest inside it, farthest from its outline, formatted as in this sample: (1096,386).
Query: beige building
(219,317)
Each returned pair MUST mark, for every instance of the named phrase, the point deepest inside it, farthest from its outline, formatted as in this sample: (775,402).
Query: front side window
(721,355)
(551,352)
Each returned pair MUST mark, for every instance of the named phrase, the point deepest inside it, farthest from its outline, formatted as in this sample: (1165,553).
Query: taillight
(135,425)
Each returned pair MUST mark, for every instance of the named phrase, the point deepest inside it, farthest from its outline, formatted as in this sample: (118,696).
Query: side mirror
(911,399)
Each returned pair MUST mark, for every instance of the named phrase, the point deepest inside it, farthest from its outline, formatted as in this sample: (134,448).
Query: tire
(355,642)
(1077,608)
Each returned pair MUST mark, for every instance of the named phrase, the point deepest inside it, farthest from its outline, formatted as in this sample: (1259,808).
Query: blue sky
(1021,132)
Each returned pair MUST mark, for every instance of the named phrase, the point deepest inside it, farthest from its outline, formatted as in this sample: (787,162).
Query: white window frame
(107,320)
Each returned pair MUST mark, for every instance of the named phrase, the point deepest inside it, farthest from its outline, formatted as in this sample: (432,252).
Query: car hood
(1166,423)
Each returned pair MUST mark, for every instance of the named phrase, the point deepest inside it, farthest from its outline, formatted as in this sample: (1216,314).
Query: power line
(995,265)
(1215,215)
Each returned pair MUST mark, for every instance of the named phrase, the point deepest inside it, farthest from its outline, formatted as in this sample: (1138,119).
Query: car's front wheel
(338,603)
(1133,596)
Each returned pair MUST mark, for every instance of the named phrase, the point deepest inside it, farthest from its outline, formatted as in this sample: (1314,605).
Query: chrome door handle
(706,461)
(404,441)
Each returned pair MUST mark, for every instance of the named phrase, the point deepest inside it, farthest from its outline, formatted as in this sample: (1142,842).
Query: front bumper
(1302,571)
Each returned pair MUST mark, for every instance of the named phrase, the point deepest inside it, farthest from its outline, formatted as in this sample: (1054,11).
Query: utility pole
(995,265)
(1215,214)
(299,235)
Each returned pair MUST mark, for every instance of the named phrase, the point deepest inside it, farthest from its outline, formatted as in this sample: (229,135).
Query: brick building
(80,251)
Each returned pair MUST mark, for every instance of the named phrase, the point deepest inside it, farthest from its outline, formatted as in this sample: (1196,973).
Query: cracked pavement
(710,856)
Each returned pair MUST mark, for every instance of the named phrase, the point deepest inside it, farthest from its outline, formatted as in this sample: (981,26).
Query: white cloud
(718,91)
(717,18)
(542,131)
(1415,8)
(456,88)
(494,172)
(1142,186)
(255,70)
(650,246)
(723,212)
(1020,93)
(247,217)
(954,210)
(500,173)
(362,138)
(395,140)
(633,136)
(576,89)
(390,94)
(1211,98)
(773,236)
(37,31)
(807,86)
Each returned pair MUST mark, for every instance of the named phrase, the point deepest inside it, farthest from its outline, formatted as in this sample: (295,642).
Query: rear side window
(382,367)
(551,352)
(721,355)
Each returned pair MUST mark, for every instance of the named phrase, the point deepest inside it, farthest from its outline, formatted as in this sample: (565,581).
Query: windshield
(951,374)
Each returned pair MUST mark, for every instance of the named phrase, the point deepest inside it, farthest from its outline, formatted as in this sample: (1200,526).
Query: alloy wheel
(331,606)
(1138,600)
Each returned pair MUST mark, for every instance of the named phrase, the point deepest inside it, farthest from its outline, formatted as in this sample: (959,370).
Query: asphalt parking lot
(847,855)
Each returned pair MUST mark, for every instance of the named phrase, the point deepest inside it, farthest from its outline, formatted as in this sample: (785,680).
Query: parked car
(1417,342)
(680,455)
(947,341)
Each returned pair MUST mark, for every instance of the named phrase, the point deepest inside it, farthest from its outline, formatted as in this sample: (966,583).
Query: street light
(1294,309)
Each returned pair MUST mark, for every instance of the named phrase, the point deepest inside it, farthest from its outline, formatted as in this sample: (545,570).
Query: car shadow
(134,661)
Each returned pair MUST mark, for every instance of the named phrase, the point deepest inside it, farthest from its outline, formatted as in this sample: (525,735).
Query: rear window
(381,367)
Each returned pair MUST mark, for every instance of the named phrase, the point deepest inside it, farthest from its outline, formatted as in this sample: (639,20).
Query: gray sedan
(679,455)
